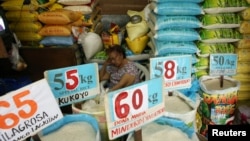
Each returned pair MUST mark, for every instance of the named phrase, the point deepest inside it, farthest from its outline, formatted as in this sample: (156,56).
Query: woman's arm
(126,80)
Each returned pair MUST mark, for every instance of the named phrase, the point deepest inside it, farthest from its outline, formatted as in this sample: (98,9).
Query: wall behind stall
(120,7)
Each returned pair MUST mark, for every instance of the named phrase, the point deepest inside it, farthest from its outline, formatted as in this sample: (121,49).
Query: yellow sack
(18,5)
(55,6)
(18,15)
(138,44)
(136,30)
(245,14)
(242,77)
(243,43)
(244,86)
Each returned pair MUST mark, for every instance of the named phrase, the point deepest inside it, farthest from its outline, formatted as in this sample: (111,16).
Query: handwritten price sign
(134,106)
(223,64)
(74,84)
(26,111)
(176,71)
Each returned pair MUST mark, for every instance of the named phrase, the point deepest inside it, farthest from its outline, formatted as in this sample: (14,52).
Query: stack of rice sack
(57,26)
(173,27)
(23,18)
(219,30)
(219,33)
(137,30)
(91,12)
(243,52)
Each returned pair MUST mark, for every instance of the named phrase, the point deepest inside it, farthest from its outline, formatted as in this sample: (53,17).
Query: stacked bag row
(90,10)
(243,52)
(23,18)
(220,33)
(220,30)
(174,27)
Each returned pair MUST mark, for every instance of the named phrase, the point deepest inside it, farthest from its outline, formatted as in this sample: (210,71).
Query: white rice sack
(176,8)
(91,44)
(176,34)
(224,6)
(162,48)
(223,20)
(164,21)
(220,35)
(154,131)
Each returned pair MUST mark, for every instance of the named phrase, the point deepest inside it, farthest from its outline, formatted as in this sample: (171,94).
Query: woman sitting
(118,70)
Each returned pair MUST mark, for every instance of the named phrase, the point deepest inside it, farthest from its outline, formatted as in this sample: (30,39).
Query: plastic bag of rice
(77,127)
(154,131)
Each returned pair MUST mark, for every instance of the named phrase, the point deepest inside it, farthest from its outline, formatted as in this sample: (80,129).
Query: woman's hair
(116,48)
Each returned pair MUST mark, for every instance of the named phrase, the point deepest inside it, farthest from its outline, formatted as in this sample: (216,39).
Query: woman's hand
(107,62)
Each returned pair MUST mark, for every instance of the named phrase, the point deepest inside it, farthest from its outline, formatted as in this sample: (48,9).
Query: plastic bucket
(100,117)
(218,102)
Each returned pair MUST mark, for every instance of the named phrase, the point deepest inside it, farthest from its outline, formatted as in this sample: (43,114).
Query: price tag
(176,71)
(132,107)
(223,64)
(26,111)
(74,84)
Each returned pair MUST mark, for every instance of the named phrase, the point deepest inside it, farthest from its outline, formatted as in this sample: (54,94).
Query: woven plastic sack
(223,20)
(136,30)
(220,35)
(224,6)
(73,118)
(161,48)
(194,1)
(138,44)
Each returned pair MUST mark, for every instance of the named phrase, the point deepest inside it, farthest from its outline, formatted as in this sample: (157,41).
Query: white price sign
(129,108)
(26,111)
(176,71)
(74,84)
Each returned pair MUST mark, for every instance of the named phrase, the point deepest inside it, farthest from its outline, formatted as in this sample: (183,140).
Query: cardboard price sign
(74,84)
(223,64)
(28,110)
(176,71)
(130,108)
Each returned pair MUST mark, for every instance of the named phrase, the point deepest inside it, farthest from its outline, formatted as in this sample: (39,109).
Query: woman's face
(115,58)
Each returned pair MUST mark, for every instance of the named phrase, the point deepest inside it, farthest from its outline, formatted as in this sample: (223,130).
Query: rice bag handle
(221,81)
(36,138)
